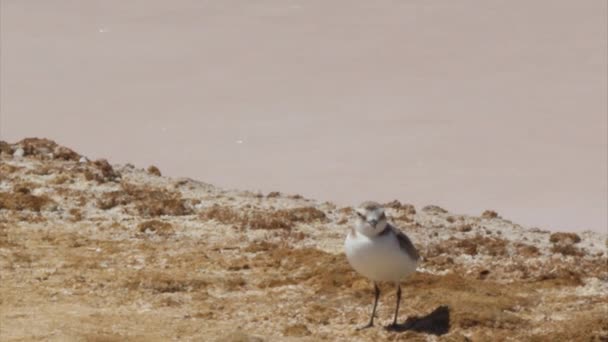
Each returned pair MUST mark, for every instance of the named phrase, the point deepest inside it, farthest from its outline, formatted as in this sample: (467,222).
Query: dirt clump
(560,276)
(565,238)
(527,250)
(148,202)
(567,249)
(76,214)
(434,209)
(408,209)
(112,199)
(465,228)
(6,169)
(489,214)
(564,243)
(298,330)
(262,219)
(5,148)
(45,148)
(471,246)
(157,227)
(105,172)
(22,199)
(153,170)
(222,214)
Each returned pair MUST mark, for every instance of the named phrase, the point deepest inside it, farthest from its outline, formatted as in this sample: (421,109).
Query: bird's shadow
(436,323)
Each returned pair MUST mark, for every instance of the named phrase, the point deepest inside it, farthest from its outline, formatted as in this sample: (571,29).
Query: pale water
(469,105)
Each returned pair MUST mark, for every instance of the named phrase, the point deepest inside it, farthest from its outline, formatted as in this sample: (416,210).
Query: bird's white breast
(378,258)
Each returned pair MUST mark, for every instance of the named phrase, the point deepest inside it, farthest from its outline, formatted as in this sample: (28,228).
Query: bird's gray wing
(405,243)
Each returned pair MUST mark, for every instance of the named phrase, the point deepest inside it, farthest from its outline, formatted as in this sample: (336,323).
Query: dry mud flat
(91,251)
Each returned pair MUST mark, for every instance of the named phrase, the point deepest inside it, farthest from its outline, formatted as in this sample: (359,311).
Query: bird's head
(371,219)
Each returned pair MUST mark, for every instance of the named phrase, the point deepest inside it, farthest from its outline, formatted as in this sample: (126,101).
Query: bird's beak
(373,222)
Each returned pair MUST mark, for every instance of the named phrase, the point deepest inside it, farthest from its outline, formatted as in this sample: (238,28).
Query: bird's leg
(394,324)
(371,320)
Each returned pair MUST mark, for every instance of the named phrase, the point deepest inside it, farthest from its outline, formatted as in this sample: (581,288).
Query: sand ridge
(102,252)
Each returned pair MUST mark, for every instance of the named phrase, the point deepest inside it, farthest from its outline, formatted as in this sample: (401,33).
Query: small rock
(83,160)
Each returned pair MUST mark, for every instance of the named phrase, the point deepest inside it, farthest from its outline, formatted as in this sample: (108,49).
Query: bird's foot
(392,327)
(368,325)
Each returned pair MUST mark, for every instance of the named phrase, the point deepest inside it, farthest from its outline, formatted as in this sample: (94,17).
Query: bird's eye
(360,215)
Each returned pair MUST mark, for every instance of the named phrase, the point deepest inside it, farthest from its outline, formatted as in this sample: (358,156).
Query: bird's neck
(371,232)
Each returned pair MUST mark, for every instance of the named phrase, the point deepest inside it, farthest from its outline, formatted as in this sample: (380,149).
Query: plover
(380,252)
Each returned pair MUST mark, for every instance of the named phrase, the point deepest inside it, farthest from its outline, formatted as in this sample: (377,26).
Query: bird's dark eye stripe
(360,215)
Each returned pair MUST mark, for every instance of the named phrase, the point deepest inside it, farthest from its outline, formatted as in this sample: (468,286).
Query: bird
(380,252)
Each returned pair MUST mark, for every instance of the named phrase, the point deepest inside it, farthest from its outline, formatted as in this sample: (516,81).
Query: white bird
(380,252)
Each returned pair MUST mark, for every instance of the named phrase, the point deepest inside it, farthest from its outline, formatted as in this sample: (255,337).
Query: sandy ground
(91,251)
(468,105)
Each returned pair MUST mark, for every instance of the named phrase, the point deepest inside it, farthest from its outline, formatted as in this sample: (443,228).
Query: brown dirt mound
(148,202)
(262,219)
(472,246)
(22,200)
(5,148)
(157,227)
(566,238)
(45,148)
(567,250)
(153,170)
(407,209)
(101,172)
(489,214)
(434,209)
